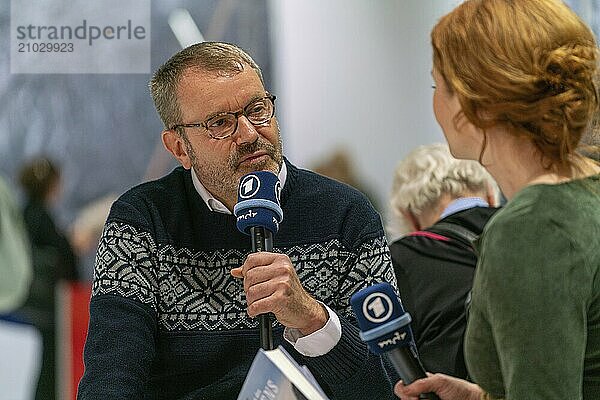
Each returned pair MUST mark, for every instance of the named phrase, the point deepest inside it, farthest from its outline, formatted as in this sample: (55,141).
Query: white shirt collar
(214,204)
(463,203)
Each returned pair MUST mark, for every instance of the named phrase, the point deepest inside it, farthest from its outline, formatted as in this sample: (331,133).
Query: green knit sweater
(534,320)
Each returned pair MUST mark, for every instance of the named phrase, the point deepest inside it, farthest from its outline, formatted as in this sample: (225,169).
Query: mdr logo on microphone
(377,307)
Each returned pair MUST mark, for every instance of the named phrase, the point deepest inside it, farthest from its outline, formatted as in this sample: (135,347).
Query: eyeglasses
(223,125)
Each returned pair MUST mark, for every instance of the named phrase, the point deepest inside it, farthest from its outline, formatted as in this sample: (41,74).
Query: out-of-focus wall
(356,74)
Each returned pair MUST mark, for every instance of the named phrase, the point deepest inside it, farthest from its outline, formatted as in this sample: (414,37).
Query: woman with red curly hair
(515,89)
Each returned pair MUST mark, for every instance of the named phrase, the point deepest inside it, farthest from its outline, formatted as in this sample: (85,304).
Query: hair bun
(568,66)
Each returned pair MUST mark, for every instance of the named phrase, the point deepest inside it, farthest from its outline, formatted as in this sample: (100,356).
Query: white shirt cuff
(319,342)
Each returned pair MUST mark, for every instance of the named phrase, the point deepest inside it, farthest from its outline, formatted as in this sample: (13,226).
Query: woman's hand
(446,387)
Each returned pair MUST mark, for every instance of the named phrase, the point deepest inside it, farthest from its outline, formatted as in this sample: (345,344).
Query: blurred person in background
(445,202)
(338,165)
(20,343)
(15,256)
(86,230)
(53,260)
(515,89)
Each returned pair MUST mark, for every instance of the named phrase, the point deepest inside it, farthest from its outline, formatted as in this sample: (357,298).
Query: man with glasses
(176,293)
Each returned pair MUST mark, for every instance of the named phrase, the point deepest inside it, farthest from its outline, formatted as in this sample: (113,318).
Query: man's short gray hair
(222,59)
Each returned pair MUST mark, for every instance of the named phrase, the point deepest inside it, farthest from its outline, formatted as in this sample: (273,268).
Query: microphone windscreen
(258,202)
(383,322)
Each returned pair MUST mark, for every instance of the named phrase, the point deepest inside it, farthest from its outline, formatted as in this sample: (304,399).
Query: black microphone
(385,327)
(259,214)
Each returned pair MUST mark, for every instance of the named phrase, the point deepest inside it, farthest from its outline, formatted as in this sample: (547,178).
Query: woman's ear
(175,144)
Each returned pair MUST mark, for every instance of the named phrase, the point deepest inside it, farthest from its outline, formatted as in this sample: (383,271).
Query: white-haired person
(445,202)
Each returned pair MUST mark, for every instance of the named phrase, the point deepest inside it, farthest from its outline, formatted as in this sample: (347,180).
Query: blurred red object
(73,300)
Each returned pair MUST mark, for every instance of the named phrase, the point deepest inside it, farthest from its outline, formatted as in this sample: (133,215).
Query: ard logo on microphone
(377,307)
(249,186)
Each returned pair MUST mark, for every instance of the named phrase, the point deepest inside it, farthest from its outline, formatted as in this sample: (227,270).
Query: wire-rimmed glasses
(223,125)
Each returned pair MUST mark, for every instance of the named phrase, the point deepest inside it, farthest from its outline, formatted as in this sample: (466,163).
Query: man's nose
(246,132)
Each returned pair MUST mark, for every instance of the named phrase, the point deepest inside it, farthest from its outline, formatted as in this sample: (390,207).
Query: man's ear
(175,144)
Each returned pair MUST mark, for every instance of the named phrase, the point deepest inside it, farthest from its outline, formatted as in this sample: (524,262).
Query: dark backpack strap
(457,232)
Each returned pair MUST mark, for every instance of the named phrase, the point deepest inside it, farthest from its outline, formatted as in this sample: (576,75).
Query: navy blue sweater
(168,321)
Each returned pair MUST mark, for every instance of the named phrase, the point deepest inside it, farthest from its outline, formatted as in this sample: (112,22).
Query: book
(275,375)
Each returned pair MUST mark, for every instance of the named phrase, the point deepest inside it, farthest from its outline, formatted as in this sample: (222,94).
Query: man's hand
(272,285)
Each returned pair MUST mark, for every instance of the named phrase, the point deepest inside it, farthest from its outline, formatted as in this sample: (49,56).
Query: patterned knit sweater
(168,321)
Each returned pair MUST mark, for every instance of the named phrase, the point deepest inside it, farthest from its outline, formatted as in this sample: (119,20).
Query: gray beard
(223,183)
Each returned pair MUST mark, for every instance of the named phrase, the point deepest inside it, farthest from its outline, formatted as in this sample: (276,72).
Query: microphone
(258,215)
(385,327)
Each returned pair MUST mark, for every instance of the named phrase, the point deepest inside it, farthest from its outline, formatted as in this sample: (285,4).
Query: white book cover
(275,375)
